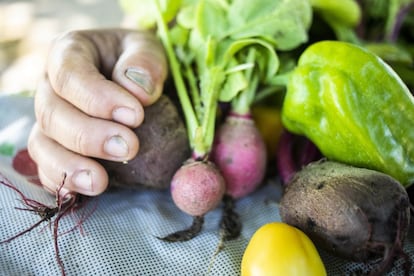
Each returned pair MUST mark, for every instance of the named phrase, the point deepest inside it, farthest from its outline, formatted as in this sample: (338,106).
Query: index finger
(80,66)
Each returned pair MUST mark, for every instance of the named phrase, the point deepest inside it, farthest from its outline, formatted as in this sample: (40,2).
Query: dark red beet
(24,164)
(355,213)
(163,149)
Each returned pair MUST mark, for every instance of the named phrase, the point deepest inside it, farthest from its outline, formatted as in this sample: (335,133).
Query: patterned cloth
(119,236)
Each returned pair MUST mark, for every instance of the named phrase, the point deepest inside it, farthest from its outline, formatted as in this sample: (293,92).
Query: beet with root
(355,213)
(163,149)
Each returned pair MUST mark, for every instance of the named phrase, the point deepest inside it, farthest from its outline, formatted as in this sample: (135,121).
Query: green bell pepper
(354,107)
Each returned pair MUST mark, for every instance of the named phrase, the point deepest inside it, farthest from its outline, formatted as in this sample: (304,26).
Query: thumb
(142,66)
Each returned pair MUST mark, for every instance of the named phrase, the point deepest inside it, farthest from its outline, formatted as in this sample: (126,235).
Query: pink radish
(197,187)
(240,153)
(208,77)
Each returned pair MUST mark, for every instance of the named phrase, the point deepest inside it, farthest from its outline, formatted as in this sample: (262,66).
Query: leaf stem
(241,103)
(189,114)
(195,93)
(210,107)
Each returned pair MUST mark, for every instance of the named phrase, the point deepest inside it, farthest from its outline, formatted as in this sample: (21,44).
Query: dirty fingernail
(141,78)
(116,146)
(83,180)
(125,115)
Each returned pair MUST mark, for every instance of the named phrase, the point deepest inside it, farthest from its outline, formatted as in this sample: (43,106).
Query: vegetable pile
(341,83)
(341,87)
(222,52)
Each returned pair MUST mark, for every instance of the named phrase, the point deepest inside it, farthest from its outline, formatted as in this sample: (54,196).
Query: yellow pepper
(278,248)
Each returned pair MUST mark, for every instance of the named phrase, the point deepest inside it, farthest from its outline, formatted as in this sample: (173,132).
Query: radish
(240,153)
(197,187)
(239,149)
(208,68)
(199,199)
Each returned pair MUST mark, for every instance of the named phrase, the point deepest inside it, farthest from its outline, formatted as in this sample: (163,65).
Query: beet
(24,164)
(163,148)
(354,213)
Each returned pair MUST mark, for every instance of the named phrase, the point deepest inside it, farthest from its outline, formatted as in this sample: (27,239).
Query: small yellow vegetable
(269,123)
(280,249)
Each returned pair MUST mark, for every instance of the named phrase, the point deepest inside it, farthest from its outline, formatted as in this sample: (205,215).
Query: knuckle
(60,80)
(63,60)
(92,103)
(64,36)
(81,144)
(33,137)
(44,114)
(32,141)
(65,41)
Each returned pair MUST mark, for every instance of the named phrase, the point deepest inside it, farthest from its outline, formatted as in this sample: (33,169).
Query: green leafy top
(221,50)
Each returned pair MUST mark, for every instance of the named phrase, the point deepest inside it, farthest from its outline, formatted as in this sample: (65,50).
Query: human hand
(95,86)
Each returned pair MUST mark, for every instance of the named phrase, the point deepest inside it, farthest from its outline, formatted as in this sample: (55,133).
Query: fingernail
(125,115)
(141,78)
(83,180)
(116,146)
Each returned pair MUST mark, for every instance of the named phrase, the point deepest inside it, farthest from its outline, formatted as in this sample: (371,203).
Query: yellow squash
(280,249)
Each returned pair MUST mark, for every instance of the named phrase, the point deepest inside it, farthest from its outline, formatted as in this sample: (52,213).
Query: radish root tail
(186,234)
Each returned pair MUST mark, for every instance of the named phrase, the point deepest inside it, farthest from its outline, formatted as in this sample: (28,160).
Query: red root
(65,204)
(394,251)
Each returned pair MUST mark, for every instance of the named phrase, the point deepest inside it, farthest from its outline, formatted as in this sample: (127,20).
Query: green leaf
(268,60)
(144,11)
(235,83)
(265,66)
(186,16)
(179,35)
(211,19)
(390,52)
(284,23)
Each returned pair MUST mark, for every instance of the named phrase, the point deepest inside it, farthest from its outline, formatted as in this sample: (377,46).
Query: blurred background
(27,28)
